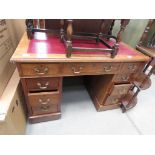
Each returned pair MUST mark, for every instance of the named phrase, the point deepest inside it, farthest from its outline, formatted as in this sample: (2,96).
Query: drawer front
(44,103)
(121,78)
(66,69)
(42,84)
(132,67)
(120,89)
(90,68)
(112,100)
(40,69)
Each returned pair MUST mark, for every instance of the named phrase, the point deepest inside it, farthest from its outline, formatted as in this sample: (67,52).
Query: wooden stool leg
(124,23)
(69,38)
(42,23)
(30,26)
(62,29)
(101,31)
(115,50)
(111,28)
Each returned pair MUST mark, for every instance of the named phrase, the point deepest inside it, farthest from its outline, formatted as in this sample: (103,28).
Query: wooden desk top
(52,49)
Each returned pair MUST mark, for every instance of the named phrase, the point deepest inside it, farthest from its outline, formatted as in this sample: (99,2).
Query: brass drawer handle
(108,68)
(44,102)
(132,67)
(115,100)
(45,107)
(77,71)
(43,87)
(41,71)
(122,91)
(124,78)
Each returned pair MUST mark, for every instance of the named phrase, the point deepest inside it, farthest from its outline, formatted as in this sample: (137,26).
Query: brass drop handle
(43,87)
(124,78)
(77,71)
(115,100)
(41,71)
(44,105)
(132,67)
(108,68)
(122,91)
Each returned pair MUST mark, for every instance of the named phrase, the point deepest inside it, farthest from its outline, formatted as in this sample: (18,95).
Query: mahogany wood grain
(43,84)
(98,88)
(133,67)
(112,100)
(122,78)
(76,69)
(120,89)
(44,103)
(98,106)
(25,90)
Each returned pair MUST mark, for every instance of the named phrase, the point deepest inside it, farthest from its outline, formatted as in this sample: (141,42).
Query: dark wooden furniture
(42,64)
(94,30)
(146,45)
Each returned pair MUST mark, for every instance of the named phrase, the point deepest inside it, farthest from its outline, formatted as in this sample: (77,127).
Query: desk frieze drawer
(39,69)
(67,69)
(43,84)
(132,67)
(44,103)
(90,68)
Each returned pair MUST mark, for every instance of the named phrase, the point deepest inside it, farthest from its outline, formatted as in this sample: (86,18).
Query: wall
(16,28)
(133,31)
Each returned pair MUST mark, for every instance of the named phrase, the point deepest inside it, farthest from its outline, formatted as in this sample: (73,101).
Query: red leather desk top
(43,44)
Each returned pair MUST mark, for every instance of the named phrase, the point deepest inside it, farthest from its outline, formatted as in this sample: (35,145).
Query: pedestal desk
(42,64)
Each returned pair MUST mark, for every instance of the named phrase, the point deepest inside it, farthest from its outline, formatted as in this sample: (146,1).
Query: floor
(79,115)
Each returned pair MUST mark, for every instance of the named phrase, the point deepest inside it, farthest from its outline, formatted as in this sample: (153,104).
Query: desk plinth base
(100,107)
(98,85)
(44,118)
(103,107)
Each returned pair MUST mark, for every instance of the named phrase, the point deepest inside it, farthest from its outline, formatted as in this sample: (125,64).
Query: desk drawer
(117,93)
(90,68)
(112,100)
(132,67)
(43,84)
(40,69)
(120,89)
(44,103)
(122,78)
(67,69)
